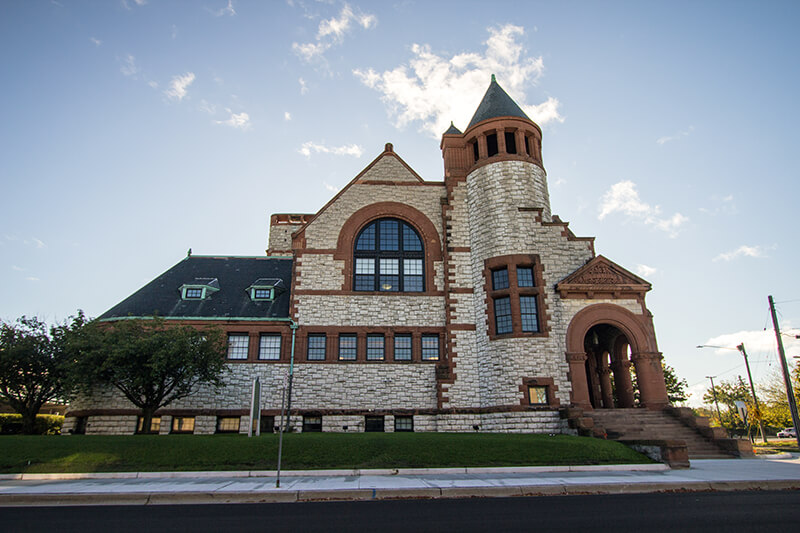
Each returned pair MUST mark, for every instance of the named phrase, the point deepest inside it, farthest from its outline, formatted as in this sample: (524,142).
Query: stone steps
(641,424)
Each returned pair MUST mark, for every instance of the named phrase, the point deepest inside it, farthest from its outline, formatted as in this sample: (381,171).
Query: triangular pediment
(601,277)
(388,167)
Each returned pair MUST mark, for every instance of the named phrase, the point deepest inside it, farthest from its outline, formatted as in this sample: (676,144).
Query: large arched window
(389,257)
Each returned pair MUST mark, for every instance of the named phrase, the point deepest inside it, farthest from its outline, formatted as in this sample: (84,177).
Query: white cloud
(129,67)
(227,10)
(33,241)
(721,205)
(645,271)
(16,268)
(96,42)
(332,31)
(236,120)
(758,341)
(32,278)
(127,6)
(349,149)
(622,197)
(332,188)
(153,84)
(434,89)
(179,85)
(742,251)
(679,135)
(207,107)
(303,86)
(287,116)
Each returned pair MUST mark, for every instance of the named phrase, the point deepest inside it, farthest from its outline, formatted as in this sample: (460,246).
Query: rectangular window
(348,347)
(262,294)
(430,347)
(365,274)
(373,424)
(500,279)
(502,315)
(238,345)
(537,395)
(312,424)
(193,294)
(528,312)
(269,347)
(525,277)
(375,347)
(389,235)
(403,423)
(527,145)
(182,424)
(491,144)
(475,153)
(316,347)
(155,425)
(227,424)
(412,275)
(402,347)
(390,275)
(511,142)
(267,424)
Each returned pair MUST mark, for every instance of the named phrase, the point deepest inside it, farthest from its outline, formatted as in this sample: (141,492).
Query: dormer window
(192,293)
(199,289)
(264,289)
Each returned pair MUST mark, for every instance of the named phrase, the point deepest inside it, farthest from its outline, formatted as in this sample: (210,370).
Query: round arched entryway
(603,342)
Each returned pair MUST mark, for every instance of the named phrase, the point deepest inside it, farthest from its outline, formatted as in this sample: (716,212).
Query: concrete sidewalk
(251,487)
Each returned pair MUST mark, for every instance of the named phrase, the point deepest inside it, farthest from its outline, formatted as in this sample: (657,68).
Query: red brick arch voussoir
(640,337)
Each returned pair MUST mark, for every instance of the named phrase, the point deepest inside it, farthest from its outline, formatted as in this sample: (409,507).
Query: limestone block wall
(496,194)
(382,310)
(111,425)
(280,236)
(318,272)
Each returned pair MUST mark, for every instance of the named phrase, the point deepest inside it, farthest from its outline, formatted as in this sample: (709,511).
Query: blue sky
(133,130)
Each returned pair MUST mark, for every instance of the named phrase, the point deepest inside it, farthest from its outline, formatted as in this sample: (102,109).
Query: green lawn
(147,453)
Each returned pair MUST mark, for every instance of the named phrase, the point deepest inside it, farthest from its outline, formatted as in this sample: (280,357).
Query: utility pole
(786,376)
(753,390)
(714,394)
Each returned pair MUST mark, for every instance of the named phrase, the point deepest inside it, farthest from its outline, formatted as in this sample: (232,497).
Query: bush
(11,424)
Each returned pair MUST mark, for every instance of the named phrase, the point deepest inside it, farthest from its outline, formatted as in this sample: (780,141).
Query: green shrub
(11,424)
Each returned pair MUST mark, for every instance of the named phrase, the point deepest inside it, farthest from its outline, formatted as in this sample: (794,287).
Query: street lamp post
(714,394)
(740,349)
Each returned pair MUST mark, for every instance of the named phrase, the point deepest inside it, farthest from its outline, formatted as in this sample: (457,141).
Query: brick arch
(367,214)
(639,336)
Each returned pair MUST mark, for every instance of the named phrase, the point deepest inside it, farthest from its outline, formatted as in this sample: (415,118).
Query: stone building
(413,305)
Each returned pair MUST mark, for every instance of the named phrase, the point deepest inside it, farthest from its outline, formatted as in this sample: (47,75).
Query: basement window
(537,395)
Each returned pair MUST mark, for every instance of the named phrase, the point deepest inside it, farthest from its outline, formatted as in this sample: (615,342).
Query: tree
(677,388)
(728,393)
(34,365)
(151,363)
(776,405)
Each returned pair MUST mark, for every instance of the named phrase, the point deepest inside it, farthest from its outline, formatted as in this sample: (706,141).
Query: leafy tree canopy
(34,364)
(151,363)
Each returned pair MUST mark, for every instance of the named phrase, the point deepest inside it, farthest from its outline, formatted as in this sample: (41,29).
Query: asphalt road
(681,512)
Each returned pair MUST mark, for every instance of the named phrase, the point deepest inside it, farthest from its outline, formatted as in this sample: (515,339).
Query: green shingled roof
(496,103)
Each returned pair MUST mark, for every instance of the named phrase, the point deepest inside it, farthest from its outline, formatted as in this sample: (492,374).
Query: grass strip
(303,451)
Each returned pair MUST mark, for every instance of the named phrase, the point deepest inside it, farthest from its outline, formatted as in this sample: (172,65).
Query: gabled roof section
(496,103)
(232,275)
(388,167)
(602,278)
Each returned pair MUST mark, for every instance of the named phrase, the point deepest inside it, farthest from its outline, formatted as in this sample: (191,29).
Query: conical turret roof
(496,103)
(452,130)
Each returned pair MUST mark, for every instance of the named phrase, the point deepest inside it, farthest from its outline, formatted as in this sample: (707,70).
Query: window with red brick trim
(515,297)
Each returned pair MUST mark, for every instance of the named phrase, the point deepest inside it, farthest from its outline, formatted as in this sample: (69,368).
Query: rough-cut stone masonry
(383,310)
(323,231)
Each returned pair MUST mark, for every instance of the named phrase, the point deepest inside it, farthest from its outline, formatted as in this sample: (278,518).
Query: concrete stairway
(644,424)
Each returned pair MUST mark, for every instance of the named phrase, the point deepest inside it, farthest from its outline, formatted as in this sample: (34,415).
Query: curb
(290,496)
(657,467)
